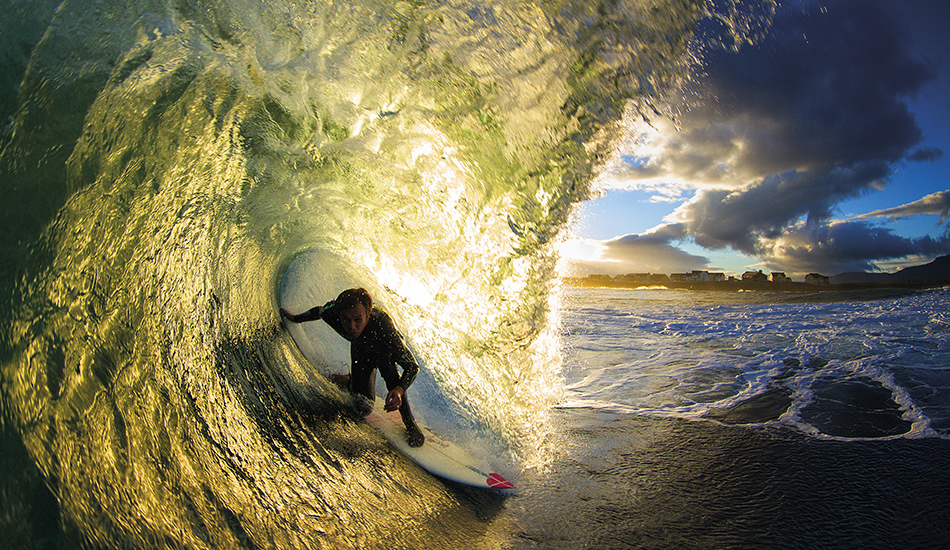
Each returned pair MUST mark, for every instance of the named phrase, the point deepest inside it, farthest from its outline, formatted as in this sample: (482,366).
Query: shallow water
(833,365)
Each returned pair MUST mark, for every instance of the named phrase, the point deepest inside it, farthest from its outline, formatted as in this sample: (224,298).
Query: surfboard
(317,276)
(438,456)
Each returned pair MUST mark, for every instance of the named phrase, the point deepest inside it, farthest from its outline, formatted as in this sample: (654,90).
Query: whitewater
(163,163)
(843,365)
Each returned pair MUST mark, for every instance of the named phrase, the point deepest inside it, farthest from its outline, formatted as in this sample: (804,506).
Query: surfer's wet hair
(351,297)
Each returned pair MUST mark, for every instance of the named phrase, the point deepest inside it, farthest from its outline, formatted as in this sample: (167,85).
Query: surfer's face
(354,321)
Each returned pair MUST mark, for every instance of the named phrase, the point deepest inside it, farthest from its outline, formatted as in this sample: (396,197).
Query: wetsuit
(379,347)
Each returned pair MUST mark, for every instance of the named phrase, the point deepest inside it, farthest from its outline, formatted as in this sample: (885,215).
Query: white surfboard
(437,456)
(317,276)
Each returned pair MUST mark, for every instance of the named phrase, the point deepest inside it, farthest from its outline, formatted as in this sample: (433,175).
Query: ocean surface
(163,163)
(696,419)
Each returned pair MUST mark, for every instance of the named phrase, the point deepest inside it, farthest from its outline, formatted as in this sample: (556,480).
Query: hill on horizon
(937,270)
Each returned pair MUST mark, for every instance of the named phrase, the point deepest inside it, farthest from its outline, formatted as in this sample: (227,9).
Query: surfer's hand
(394,399)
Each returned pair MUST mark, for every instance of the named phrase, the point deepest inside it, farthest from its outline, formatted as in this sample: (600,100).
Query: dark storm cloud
(822,89)
(741,219)
(849,246)
(781,132)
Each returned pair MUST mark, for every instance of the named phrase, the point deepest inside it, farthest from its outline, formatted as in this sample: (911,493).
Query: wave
(165,162)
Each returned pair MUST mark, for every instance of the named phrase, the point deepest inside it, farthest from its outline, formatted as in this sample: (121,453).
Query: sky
(821,148)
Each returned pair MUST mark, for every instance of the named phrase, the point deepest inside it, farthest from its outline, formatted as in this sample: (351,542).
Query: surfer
(375,344)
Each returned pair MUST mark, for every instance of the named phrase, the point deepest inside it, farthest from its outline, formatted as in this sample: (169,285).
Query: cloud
(935,203)
(926,154)
(846,246)
(651,253)
(654,252)
(826,88)
(775,135)
(740,219)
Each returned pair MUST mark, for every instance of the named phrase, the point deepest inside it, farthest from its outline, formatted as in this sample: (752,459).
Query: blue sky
(820,148)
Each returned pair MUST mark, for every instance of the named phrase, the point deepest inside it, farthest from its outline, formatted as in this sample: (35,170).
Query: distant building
(706,277)
(755,276)
(678,277)
(779,277)
(634,278)
(817,279)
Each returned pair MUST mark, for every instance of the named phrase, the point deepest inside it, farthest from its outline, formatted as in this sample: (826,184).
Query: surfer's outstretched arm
(309,315)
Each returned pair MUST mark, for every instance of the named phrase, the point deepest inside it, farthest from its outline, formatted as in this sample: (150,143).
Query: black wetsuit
(379,347)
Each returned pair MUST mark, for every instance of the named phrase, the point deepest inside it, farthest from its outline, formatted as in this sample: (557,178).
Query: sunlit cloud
(582,249)
(654,252)
(772,138)
(935,203)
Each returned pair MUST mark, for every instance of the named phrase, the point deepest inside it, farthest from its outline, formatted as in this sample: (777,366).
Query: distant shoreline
(739,285)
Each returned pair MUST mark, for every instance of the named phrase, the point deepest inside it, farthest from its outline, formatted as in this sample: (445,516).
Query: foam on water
(856,367)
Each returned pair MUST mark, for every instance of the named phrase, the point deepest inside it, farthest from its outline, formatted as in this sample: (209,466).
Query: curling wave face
(164,163)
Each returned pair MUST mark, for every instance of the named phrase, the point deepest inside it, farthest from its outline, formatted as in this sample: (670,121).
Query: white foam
(684,355)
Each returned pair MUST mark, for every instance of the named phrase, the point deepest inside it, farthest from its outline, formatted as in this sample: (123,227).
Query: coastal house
(755,276)
(705,277)
(779,277)
(634,278)
(817,279)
